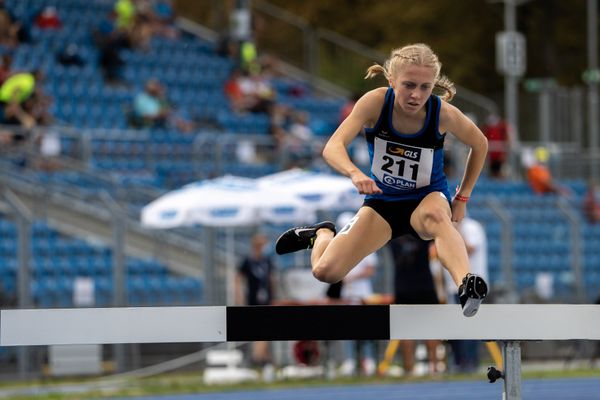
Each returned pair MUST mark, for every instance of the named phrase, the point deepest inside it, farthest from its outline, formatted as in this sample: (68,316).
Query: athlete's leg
(432,220)
(333,257)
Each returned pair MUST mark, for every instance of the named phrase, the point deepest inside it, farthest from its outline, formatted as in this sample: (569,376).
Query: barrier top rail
(26,327)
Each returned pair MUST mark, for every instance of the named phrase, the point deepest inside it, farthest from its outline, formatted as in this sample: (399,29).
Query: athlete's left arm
(454,121)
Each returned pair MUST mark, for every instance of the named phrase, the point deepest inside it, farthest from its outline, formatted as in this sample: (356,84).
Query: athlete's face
(412,87)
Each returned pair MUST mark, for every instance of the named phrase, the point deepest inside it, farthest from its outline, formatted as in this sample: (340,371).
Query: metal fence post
(507,242)
(119,222)
(24,219)
(576,248)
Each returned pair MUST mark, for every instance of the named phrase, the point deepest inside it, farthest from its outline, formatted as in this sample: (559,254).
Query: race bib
(400,166)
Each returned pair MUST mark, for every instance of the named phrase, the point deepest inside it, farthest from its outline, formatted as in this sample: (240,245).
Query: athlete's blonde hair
(414,54)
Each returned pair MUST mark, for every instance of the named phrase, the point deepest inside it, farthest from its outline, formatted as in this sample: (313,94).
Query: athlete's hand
(364,184)
(459,209)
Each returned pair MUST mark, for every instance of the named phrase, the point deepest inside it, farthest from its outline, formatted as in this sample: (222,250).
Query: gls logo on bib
(401,167)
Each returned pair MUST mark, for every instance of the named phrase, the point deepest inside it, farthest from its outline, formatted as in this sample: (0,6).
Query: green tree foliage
(462,32)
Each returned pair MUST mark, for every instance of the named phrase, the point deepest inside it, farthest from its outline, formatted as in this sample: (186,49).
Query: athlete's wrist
(461,197)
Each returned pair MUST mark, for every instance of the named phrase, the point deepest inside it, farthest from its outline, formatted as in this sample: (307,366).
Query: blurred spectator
(591,202)
(70,56)
(141,20)
(356,288)
(150,106)
(49,146)
(539,176)
(10,137)
(151,109)
(414,284)
(8,30)
(279,122)
(110,42)
(465,353)
(132,20)
(227,47)
(12,31)
(16,96)
(348,107)
(300,130)
(299,141)
(497,132)
(249,93)
(163,12)
(48,18)
(233,90)
(255,285)
(5,67)
(124,14)
(163,19)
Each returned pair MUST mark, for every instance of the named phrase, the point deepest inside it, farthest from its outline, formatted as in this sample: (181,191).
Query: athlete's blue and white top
(407,166)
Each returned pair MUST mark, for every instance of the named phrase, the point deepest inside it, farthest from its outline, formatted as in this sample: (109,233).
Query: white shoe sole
(471,307)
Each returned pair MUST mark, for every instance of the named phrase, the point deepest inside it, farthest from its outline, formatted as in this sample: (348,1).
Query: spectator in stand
(15,92)
(110,42)
(497,132)
(299,141)
(538,174)
(70,56)
(8,31)
(48,18)
(414,284)
(249,92)
(356,288)
(12,31)
(151,109)
(132,19)
(591,203)
(141,20)
(300,130)
(124,11)
(150,106)
(163,19)
(465,353)
(348,107)
(255,284)
(279,122)
(5,67)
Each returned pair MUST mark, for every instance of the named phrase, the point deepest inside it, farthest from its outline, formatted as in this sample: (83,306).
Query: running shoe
(300,238)
(471,292)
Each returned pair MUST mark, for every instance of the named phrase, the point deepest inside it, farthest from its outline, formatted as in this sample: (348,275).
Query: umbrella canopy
(223,202)
(319,190)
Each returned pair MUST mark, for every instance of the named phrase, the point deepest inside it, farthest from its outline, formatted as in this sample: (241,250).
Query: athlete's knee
(435,216)
(326,273)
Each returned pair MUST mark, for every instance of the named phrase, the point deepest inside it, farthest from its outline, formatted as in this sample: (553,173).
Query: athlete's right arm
(365,113)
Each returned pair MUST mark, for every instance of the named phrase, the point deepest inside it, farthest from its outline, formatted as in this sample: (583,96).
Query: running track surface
(540,389)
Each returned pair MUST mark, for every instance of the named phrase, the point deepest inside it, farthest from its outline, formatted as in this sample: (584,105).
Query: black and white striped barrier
(509,324)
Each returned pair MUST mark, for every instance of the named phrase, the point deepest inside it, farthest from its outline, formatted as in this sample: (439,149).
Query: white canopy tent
(291,196)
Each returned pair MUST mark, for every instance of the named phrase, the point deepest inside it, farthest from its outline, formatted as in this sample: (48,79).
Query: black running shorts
(396,213)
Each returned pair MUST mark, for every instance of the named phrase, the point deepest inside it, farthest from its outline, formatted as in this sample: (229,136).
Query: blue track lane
(540,389)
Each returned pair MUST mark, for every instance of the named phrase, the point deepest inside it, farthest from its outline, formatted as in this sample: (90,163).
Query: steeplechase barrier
(508,324)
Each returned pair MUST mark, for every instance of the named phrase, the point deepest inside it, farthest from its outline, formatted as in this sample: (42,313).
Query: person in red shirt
(348,107)
(48,19)
(497,133)
(5,67)
(591,203)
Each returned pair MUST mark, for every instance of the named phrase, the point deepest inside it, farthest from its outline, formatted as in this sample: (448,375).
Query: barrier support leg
(511,351)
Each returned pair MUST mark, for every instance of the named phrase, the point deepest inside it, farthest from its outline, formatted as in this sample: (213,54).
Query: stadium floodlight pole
(592,81)
(511,61)
(511,94)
